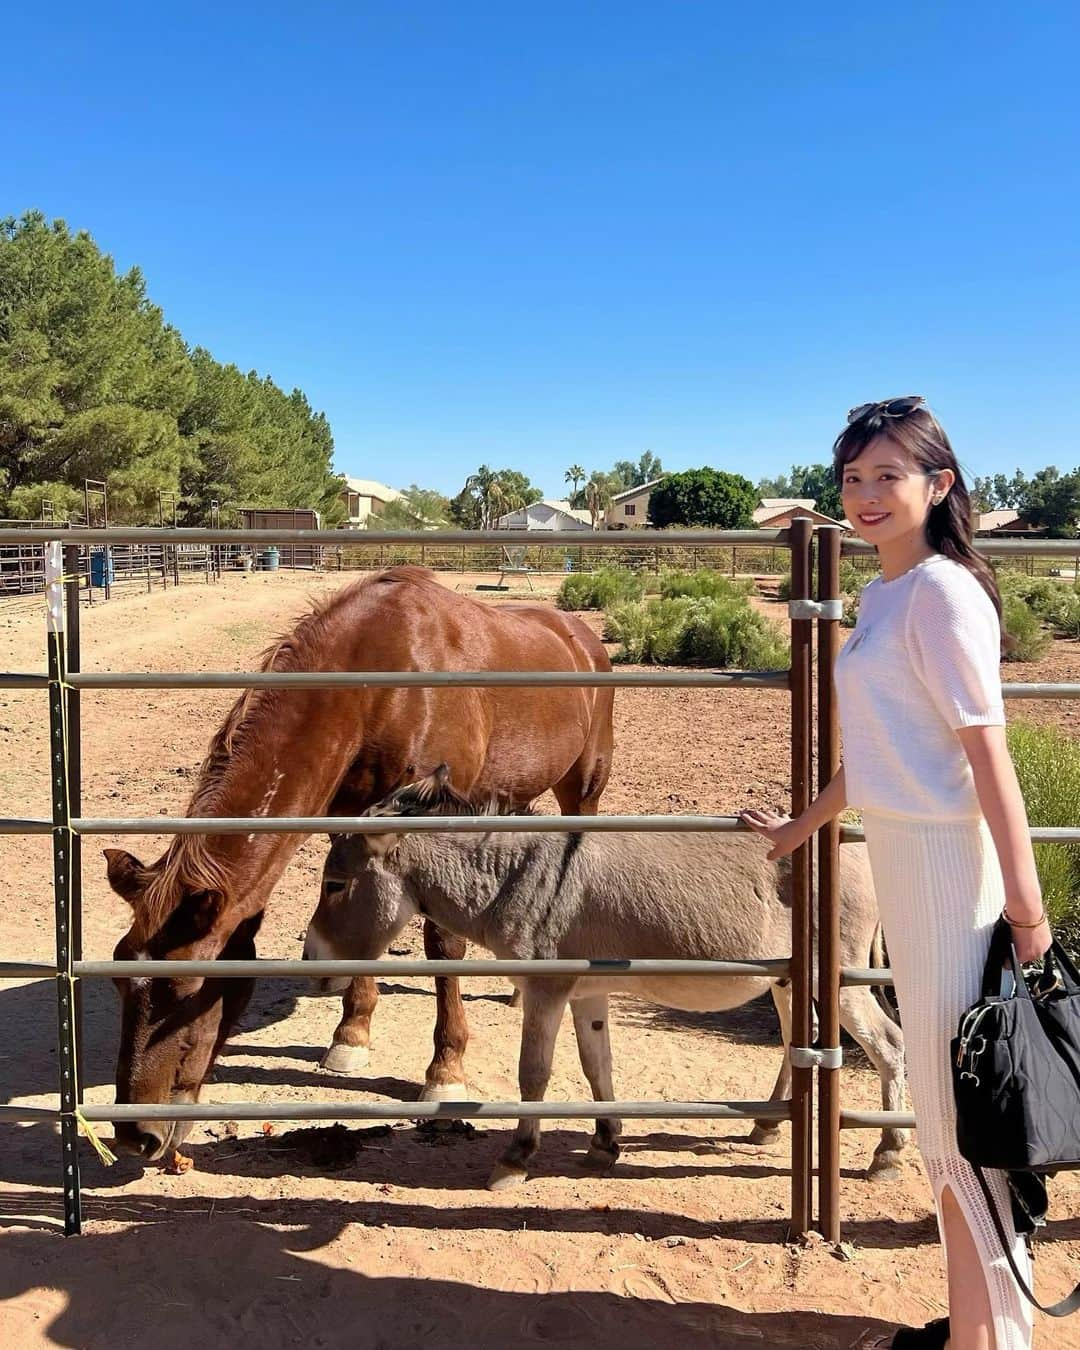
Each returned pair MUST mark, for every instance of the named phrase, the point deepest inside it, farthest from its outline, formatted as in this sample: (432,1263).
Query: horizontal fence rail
(771,967)
(460,679)
(197,1111)
(121,534)
(438,679)
(851,547)
(387,825)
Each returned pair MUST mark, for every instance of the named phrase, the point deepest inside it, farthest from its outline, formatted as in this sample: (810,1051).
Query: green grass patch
(1048,768)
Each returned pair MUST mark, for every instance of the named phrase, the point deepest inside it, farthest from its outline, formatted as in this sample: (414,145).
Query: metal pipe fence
(65,683)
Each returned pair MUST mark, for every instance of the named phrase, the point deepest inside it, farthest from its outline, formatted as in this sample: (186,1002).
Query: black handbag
(1016,1076)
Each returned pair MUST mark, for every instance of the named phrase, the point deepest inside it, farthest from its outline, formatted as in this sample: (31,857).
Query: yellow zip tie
(104,1152)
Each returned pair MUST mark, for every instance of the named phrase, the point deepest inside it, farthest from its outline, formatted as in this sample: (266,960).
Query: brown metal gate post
(828,919)
(802,1074)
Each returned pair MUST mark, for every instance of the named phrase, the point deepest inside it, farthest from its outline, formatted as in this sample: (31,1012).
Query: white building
(546,515)
(364,497)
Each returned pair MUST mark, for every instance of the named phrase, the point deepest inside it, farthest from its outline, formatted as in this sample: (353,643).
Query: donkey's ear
(127,876)
(379,845)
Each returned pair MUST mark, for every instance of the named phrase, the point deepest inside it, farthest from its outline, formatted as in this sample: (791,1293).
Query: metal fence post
(802,1075)
(828,743)
(63,860)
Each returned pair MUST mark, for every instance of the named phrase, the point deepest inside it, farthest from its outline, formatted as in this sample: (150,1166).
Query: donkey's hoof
(444,1092)
(341,1058)
(506,1175)
(763,1134)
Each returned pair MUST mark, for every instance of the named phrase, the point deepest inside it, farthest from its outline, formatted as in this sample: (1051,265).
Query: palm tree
(480,484)
(574,474)
(597,498)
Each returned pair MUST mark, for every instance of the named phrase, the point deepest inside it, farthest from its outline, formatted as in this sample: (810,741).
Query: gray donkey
(598,896)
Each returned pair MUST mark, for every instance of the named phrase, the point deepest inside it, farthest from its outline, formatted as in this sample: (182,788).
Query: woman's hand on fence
(782,832)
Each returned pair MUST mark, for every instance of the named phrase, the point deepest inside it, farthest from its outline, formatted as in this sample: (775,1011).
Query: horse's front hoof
(598,1159)
(342,1058)
(504,1176)
(444,1092)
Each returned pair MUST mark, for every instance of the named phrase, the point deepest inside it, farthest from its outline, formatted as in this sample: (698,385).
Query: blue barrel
(101,567)
(270,558)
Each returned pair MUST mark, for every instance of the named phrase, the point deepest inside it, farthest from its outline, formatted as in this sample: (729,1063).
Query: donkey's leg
(543,1004)
(444,1080)
(594,1051)
(863,1017)
(350,1048)
(768,1131)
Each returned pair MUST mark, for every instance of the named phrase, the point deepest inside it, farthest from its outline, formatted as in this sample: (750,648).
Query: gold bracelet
(1013,923)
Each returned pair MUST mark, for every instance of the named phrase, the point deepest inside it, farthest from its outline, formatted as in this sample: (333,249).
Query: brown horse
(335,752)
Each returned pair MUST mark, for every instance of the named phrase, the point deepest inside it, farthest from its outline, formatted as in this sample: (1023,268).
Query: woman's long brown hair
(948,526)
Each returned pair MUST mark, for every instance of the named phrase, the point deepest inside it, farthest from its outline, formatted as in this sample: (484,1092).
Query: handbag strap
(1065,1306)
(1002,953)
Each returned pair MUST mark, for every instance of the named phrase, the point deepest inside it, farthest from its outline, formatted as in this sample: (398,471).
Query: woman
(926,761)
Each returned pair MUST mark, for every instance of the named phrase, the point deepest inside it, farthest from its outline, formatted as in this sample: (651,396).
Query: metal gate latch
(815,609)
(813,1057)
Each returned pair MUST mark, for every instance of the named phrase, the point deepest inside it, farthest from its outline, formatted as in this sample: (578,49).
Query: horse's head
(172,1030)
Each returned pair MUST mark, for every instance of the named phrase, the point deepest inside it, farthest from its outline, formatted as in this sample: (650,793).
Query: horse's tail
(879,961)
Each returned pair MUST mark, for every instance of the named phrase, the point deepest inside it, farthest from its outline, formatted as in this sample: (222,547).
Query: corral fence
(65,684)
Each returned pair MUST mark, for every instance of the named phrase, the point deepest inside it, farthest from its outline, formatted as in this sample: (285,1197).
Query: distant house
(545,515)
(777,513)
(364,497)
(1005,524)
(629,509)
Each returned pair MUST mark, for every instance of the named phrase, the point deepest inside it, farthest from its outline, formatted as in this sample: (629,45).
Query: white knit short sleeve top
(923,661)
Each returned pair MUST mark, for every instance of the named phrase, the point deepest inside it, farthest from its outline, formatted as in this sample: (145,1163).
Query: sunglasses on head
(889,407)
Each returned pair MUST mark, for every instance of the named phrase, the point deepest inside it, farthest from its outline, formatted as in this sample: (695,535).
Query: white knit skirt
(939,889)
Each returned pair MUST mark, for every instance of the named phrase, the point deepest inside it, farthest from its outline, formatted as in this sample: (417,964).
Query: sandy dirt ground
(388,1237)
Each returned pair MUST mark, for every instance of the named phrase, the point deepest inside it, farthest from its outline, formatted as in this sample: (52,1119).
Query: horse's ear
(127,876)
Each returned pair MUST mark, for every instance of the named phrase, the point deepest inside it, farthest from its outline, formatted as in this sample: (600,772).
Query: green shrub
(1048,768)
(600,589)
(783,590)
(726,632)
(704,582)
(1028,640)
(1066,616)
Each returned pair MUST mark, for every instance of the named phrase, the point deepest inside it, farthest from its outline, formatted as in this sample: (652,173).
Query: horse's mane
(188,864)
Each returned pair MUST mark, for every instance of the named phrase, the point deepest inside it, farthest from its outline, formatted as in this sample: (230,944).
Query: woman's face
(886,494)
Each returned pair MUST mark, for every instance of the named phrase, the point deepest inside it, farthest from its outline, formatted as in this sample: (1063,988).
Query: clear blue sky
(538,234)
